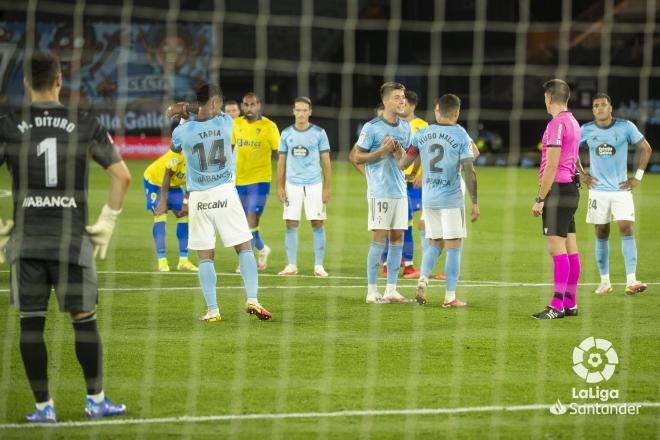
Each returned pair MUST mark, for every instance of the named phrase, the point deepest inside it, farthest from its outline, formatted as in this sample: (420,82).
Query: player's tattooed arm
(416,164)
(161,208)
(470,178)
(183,109)
(471,186)
(405,161)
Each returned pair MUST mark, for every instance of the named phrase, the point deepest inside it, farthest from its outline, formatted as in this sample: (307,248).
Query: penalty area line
(299,415)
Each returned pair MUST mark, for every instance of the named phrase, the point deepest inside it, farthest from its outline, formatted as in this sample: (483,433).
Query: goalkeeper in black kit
(48,244)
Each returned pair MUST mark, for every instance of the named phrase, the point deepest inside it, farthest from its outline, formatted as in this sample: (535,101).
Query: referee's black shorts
(559,209)
(32,280)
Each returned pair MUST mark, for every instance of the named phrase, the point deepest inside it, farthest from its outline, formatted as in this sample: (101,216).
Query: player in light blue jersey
(214,205)
(610,196)
(444,148)
(380,145)
(303,178)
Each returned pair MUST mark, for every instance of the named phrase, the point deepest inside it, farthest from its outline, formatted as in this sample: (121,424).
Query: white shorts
(310,196)
(388,214)
(447,223)
(606,206)
(463,188)
(216,210)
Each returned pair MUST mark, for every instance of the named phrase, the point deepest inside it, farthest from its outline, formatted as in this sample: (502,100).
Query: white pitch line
(225,288)
(303,415)
(463,283)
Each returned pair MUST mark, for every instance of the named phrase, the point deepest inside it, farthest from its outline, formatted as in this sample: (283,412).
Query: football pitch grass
(330,366)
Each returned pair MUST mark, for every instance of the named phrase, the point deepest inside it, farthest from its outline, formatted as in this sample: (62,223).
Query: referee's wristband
(639,174)
(539,199)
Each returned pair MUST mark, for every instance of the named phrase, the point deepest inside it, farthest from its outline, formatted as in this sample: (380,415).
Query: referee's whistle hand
(537,209)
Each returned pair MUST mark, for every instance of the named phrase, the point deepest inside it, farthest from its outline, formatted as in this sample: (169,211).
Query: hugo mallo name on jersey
(441,147)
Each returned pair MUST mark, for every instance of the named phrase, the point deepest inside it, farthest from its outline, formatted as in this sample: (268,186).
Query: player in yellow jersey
(167,175)
(255,139)
(414,193)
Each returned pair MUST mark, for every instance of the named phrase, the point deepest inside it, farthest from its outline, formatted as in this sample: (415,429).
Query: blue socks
(207,281)
(408,245)
(208,278)
(248,267)
(291,245)
(393,262)
(182,235)
(430,257)
(424,241)
(158,231)
(373,259)
(452,268)
(629,250)
(319,246)
(257,242)
(603,254)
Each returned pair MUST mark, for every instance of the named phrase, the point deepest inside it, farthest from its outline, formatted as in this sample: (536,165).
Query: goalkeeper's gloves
(101,231)
(5,233)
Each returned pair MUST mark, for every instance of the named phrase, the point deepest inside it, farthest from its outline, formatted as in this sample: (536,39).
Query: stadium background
(126,59)
(325,351)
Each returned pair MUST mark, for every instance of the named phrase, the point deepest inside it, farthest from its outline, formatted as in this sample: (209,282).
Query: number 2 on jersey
(216,156)
(441,154)
(49,147)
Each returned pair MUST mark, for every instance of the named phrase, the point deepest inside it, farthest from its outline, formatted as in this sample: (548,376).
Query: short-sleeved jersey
(384,178)
(563,131)
(253,145)
(303,153)
(175,162)
(47,154)
(206,147)
(442,148)
(415,125)
(608,151)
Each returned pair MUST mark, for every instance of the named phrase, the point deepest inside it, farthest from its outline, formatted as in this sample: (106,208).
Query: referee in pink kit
(558,198)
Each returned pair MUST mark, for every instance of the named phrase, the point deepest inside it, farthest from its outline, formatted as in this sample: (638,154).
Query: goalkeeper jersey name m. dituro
(47,156)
